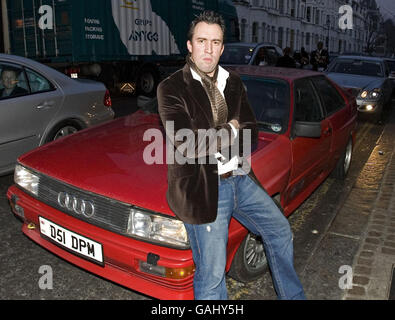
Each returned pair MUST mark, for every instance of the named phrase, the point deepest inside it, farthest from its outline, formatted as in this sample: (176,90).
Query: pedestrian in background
(286,61)
(320,58)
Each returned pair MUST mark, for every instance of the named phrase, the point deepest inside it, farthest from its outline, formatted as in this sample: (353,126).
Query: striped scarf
(217,101)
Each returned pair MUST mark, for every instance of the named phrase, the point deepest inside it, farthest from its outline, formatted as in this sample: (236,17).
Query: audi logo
(77,205)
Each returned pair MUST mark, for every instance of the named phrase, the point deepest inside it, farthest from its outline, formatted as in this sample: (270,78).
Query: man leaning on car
(205,196)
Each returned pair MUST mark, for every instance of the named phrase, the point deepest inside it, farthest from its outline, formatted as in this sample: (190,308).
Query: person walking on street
(208,188)
(286,61)
(319,58)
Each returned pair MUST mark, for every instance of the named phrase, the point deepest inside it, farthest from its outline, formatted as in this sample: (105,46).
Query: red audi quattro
(93,199)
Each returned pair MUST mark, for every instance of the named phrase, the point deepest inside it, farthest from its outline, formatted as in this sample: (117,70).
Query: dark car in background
(391,66)
(243,53)
(368,80)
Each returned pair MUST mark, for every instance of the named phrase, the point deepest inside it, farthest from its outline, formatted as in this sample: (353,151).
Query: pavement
(373,198)
(360,241)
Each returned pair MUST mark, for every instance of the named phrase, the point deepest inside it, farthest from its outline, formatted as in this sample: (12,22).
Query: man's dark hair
(209,17)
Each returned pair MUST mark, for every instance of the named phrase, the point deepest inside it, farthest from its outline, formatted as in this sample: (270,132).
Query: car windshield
(357,67)
(234,54)
(269,98)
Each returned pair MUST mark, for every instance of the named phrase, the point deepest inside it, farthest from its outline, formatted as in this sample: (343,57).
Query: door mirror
(392,75)
(307,129)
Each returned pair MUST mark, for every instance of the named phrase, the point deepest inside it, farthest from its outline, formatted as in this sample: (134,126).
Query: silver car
(250,53)
(368,80)
(39,104)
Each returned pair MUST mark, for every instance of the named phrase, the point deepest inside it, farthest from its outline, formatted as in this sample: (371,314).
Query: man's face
(8,78)
(206,46)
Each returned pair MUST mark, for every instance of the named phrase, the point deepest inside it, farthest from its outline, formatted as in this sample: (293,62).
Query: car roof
(366,58)
(250,44)
(287,74)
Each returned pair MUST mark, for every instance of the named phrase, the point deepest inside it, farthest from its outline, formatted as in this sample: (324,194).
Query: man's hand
(235,123)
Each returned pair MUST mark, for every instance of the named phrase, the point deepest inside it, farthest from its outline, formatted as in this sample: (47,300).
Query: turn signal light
(169,273)
(107,99)
(180,273)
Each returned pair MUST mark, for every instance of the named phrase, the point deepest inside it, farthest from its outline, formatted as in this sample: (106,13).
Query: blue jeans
(240,197)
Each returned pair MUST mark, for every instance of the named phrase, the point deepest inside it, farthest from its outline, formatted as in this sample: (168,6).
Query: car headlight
(157,228)
(375,94)
(26,179)
(371,94)
(364,94)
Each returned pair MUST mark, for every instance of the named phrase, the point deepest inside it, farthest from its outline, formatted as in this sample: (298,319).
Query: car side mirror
(307,129)
(392,75)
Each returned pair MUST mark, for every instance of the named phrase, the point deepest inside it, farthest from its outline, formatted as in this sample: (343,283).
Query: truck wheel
(343,164)
(147,82)
(250,261)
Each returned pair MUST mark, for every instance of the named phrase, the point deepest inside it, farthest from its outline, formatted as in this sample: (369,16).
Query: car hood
(108,160)
(355,81)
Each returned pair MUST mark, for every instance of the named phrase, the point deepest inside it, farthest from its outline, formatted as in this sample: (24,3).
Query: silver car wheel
(64,131)
(254,254)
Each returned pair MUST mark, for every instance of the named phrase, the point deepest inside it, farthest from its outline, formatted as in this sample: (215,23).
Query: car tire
(249,262)
(147,82)
(343,164)
(63,129)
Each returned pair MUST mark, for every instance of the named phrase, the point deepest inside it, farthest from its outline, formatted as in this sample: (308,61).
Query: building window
(280,36)
(255,32)
(263,31)
(281,6)
(308,14)
(243,27)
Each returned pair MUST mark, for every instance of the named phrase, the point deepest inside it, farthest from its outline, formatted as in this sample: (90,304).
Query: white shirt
(232,164)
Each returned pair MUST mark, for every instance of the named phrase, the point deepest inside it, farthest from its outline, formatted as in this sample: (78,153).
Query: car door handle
(45,105)
(328,131)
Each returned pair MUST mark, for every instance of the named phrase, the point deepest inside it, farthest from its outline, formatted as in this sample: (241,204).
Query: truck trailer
(127,44)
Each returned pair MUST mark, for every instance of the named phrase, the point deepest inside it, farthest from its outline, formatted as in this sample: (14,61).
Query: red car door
(309,155)
(337,112)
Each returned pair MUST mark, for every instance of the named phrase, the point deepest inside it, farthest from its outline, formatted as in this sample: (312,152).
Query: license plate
(71,241)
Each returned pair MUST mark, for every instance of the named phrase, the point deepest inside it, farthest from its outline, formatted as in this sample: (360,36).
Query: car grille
(109,214)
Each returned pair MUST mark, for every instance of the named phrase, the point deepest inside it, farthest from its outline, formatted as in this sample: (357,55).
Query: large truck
(127,44)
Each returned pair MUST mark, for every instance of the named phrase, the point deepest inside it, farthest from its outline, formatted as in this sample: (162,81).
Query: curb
(374,261)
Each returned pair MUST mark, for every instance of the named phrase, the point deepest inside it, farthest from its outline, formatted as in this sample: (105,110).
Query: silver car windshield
(358,67)
(236,55)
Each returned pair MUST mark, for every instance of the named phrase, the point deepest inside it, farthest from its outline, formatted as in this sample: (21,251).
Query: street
(322,244)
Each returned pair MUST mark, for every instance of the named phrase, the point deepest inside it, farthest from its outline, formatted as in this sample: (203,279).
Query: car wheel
(147,82)
(63,130)
(250,260)
(343,165)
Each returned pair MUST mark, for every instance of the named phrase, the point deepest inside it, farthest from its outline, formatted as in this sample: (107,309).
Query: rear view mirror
(307,129)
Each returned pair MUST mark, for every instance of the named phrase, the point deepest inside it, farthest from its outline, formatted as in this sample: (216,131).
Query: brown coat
(193,187)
